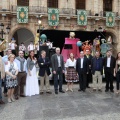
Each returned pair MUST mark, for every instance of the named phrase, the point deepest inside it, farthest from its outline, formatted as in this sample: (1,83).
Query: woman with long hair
(117,69)
(11,70)
(71,75)
(32,86)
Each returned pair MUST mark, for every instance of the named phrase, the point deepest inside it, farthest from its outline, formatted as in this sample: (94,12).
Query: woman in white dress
(32,86)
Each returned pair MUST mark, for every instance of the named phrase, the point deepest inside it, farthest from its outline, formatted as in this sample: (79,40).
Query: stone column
(5,4)
(33,2)
(42,3)
(96,4)
(119,7)
(115,6)
(100,6)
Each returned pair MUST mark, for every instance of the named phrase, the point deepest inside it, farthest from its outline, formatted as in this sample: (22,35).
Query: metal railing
(44,10)
(103,13)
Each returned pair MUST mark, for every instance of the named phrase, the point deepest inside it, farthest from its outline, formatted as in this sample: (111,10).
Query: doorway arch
(23,35)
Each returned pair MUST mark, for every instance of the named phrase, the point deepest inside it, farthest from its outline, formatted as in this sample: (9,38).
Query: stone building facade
(68,17)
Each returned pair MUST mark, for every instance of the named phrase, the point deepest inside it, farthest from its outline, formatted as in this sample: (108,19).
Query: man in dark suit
(44,72)
(82,68)
(89,75)
(97,71)
(58,70)
(109,69)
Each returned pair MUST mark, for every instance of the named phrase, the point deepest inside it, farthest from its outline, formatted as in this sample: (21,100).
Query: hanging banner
(53,16)
(22,14)
(82,17)
(110,19)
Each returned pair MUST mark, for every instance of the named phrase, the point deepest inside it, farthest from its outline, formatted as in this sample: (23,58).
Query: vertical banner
(110,19)
(53,16)
(22,14)
(82,17)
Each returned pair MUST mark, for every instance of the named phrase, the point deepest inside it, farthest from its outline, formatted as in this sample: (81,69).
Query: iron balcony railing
(103,13)
(44,10)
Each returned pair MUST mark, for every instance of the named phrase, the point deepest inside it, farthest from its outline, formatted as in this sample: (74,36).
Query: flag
(110,19)
(82,17)
(53,17)
(22,14)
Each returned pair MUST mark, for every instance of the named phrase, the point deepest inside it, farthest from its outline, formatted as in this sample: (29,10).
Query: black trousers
(58,76)
(109,79)
(118,80)
(89,78)
(82,81)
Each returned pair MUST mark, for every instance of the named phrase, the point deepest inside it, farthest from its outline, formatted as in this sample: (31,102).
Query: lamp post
(39,23)
(2,30)
(2,33)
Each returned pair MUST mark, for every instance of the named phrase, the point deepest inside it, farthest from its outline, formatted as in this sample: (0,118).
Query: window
(107,5)
(80,4)
(23,2)
(52,3)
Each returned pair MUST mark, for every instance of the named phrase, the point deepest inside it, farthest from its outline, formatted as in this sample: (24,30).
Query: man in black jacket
(44,72)
(109,69)
(89,75)
(82,68)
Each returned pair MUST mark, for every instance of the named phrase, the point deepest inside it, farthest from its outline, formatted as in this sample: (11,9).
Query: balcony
(44,10)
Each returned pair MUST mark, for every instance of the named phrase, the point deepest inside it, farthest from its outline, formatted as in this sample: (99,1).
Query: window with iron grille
(80,4)
(52,3)
(107,5)
(23,2)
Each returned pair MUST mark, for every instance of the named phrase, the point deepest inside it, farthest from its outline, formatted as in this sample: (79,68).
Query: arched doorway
(23,35)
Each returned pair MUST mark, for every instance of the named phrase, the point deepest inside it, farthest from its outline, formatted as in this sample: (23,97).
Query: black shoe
(106,90)
(41,93)
(49,92)
(56,92)
(112,91)
(61,91)
(99,90)
(79,90)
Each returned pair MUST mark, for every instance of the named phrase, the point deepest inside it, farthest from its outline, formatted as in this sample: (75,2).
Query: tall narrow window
(80,4)
(23,2)
(52,3)
(107,5)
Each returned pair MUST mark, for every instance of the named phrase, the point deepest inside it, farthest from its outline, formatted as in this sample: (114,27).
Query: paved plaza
(68,106)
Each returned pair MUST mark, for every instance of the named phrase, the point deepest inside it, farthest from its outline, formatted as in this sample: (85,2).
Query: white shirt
(70,63)
(59,64)
(18,65)
(30,47)
(37,47)
(7,67)
(108,61)
(12,46)
(82,62)
(22,47)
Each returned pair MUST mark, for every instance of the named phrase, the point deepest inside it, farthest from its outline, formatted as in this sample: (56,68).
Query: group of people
(17,73)
(31,46)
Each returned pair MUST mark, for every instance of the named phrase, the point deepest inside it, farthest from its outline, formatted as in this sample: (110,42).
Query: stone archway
(23,35)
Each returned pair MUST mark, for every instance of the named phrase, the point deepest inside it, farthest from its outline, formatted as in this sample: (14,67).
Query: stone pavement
(68,106)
